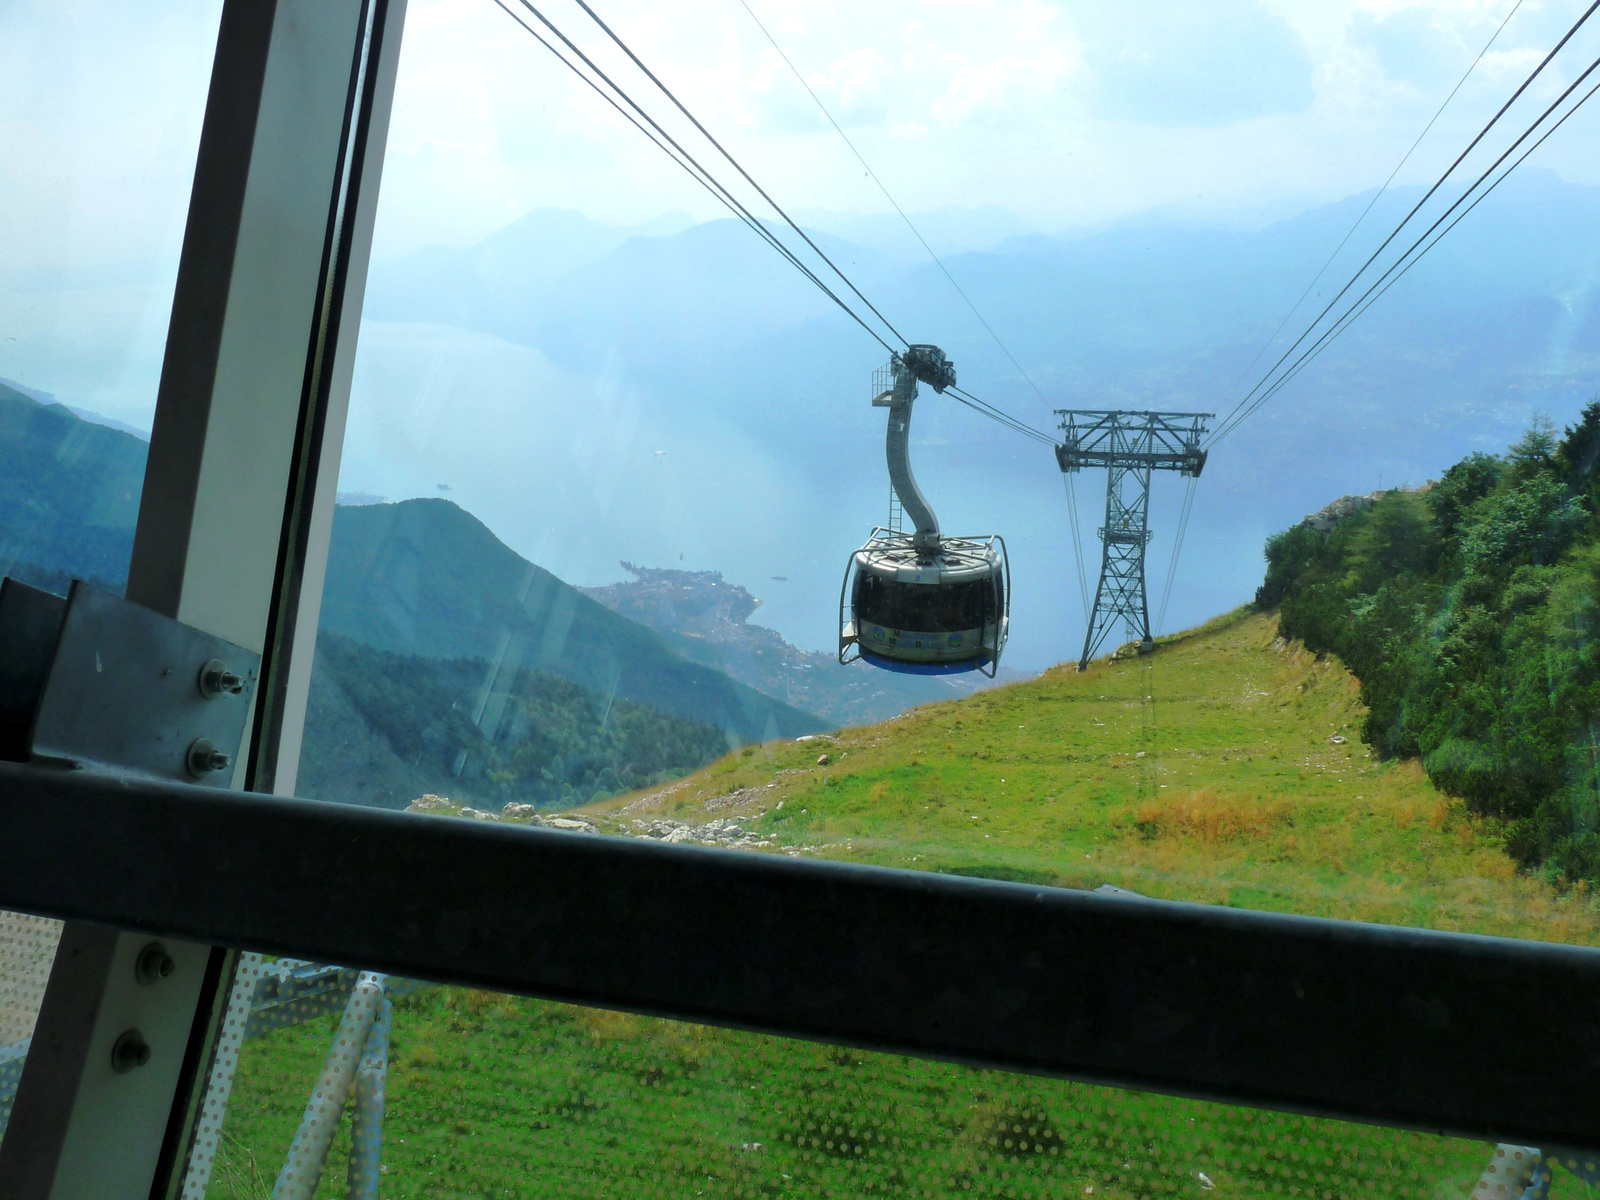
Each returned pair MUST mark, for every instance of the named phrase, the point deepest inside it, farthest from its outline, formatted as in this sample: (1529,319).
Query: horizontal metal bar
(1461,1034)
(1173,459)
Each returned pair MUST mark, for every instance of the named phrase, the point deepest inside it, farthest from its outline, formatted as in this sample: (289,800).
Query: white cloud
(1004,85)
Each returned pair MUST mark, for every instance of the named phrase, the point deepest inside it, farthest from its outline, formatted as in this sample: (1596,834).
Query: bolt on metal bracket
(130,1052)
(98,681)
(153,965)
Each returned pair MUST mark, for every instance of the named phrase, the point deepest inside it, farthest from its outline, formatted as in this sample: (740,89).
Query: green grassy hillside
(424,577)
(1213,770)
(1471,609)
(1226,768)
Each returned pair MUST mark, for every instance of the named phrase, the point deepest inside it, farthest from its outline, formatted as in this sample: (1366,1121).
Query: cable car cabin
(921,602)
(923,613)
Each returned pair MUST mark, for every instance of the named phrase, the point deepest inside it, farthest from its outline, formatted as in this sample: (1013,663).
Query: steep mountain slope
(707,346)
(416,578)
(1469,608)
(383,729)
(69,493)
(426,578)
(1225,768)
(706,619)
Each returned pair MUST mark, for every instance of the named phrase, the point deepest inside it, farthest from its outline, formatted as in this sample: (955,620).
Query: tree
(1536,449)
(1579,455)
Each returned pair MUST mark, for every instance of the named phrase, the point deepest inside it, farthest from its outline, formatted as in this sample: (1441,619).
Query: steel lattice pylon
(1129,445)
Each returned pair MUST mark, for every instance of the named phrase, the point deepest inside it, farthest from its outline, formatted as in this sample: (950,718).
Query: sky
(1065,114)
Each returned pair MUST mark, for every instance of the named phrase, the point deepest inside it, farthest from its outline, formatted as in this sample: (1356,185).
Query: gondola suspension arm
(899,400)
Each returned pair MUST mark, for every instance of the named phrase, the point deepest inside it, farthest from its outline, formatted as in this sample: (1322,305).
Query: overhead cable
(1370,298)
(1177,549)
(1077,544)
(706,133)
(873,175)
(1405,158)
(688,162)
(1405,261)
(1229,422)
(1484,194)
(1000,415)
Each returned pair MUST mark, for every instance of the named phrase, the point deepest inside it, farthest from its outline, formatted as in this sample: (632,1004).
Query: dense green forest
(383,728)
(1469,610)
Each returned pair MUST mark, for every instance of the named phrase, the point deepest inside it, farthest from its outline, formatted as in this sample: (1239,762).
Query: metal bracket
(96,680)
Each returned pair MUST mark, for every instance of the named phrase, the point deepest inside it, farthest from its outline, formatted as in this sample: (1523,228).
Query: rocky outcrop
(1327,517)
(706,619)
(519,814)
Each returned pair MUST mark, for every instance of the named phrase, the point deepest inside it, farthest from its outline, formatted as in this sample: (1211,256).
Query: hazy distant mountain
(504,269)
(706,347)
(426,578)
(421,578)
(69,493)
(948,230)
(706,618)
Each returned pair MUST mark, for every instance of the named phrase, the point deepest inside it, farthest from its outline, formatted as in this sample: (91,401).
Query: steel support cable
(689,164)
(703,180)
(1009,423)
(1479,199)
(1402,264)
(1378,196)
(996,414)
(873,175)
(1077,542)
(706,133)
(704,177)
(1005,421)
(1350,317)
(1177,549)
(1482,133)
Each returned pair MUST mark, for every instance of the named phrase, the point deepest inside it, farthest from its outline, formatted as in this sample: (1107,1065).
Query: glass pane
(103,107)
(591,541)
(617,507)
(500,1095)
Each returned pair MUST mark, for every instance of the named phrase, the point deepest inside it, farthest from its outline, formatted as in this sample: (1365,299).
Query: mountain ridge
(706,619)
(424,577)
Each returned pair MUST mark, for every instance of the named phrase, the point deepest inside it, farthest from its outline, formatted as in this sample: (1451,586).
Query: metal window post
(232,534)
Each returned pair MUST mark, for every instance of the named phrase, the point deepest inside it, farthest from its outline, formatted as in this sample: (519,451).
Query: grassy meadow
(1225,768)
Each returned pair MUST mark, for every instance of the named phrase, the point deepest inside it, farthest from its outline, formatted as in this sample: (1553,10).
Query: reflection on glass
(103,105)
(604,467)
(498,1095)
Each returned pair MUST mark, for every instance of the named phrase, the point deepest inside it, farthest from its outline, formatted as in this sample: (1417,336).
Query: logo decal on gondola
(955,639)
(877,635)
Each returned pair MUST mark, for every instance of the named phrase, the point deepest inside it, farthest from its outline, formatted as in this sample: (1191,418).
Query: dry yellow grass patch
(1210,817)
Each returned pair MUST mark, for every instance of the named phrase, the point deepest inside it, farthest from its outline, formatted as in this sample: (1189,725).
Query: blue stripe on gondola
(923,668)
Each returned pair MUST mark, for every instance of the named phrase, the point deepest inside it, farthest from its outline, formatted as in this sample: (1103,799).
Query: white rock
(568,823)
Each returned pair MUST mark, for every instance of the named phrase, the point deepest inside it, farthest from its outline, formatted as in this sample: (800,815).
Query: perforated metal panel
(497,1095)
